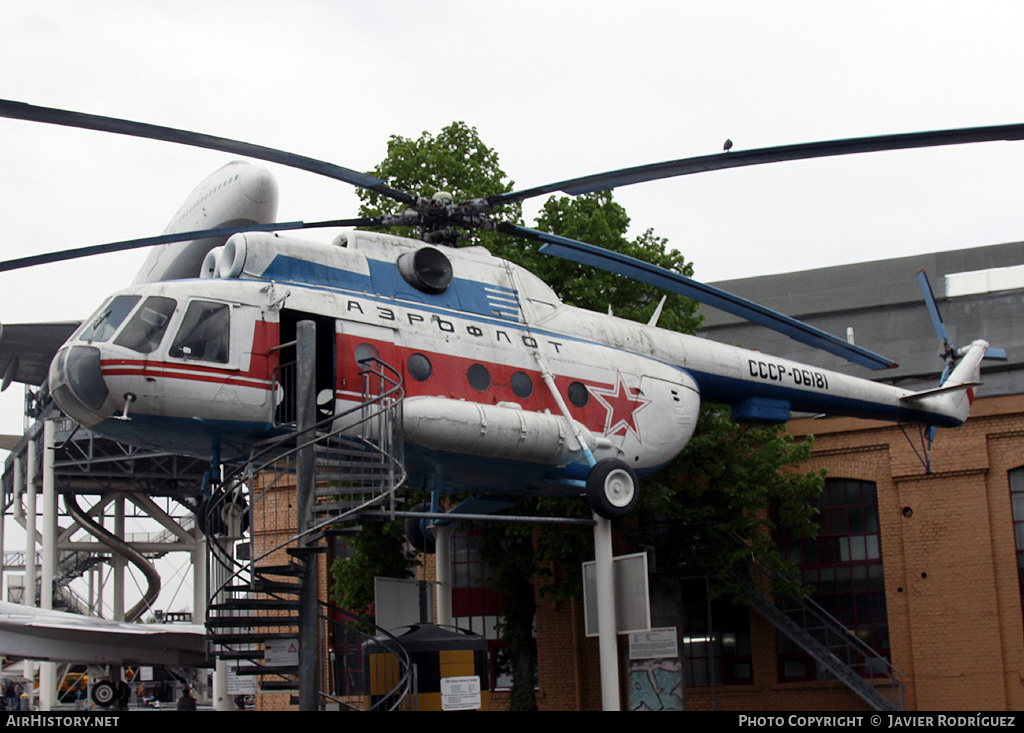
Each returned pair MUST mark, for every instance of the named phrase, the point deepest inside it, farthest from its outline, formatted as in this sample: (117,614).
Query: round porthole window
(419,367)
(522,385)
(479,377)
(578,394)
(366,352)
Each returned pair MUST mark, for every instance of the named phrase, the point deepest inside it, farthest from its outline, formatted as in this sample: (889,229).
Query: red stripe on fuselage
(450,378)
(263,359)
(449,375)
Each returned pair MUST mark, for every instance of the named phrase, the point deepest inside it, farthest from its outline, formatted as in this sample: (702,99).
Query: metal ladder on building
(256,600)
(836,649)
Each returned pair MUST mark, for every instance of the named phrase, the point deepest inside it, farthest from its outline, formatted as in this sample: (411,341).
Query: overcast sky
(557,88)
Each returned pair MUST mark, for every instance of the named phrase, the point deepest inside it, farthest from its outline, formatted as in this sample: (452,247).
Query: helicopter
(508,391)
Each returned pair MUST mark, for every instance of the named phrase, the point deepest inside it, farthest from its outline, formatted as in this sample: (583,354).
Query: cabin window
(479,377)
(419,367)
(366,353)
(578,394)
(146,328)
(109,318)
(522,385)
(204,333)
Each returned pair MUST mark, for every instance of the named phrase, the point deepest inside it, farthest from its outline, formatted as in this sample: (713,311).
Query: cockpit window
(146,328)
(109,317)
(204,333)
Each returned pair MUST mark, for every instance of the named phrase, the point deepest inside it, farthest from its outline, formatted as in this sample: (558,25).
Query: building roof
(980,294)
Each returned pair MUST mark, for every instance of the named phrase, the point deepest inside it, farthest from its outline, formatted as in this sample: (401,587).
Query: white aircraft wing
(26,349)
(56,636)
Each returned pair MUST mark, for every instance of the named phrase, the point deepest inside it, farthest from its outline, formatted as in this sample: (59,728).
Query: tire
(104,693)
(214,522)
(612,489)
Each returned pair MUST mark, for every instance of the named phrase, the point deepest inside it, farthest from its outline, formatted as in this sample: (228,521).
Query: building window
(346,644)
(843,565)
(715,639)
(714,634)
(1017,509)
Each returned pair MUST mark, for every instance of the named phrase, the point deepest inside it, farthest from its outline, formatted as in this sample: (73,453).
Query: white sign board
(240,684)
(654,644)
(281,652)
(460,693)
(400,602)
(632,598)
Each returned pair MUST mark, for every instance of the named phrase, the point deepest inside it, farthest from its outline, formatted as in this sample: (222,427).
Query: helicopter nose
(77,385)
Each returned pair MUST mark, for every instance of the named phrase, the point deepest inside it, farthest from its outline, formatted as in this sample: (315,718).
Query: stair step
(335,507)
(253,655)
(259,669)
(248,622)
(262,585)
(354,484)
(279,685)
(290,569)
(229,640)
(255,604)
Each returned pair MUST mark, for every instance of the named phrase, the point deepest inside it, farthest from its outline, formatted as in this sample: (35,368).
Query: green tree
(377,551)
(597,219)
(729,491)
(454,161)
(508,550)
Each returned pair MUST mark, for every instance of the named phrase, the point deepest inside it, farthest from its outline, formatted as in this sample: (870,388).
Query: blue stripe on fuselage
(385,280)
(715,388)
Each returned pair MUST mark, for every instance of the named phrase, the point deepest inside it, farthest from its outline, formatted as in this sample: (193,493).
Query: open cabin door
(368,362)
(325,367)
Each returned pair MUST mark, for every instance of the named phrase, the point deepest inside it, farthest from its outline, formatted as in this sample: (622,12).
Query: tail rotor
(949,352)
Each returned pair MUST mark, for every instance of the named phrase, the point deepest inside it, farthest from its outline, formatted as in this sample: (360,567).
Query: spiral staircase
(264,615)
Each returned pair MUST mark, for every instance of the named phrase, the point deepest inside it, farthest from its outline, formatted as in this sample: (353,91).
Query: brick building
(926,567)
(919,551)
(944,536)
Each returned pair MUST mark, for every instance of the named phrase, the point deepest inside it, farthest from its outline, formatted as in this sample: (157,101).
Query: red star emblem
(622,404)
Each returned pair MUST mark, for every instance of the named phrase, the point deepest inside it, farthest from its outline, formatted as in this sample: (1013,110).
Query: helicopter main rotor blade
(761,156)
(129,244)
(65,118)
(674,282)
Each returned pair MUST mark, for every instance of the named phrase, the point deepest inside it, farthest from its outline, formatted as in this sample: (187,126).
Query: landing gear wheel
(612,489)
(104,693)
(419,538)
